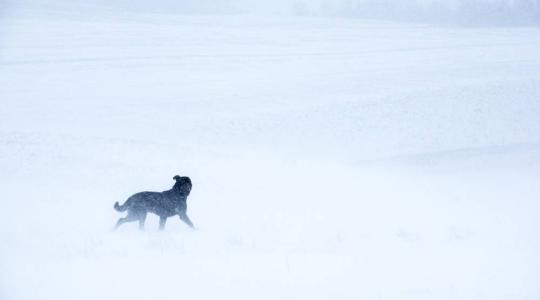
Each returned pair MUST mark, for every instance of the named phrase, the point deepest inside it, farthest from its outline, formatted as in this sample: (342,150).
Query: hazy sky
(464,11)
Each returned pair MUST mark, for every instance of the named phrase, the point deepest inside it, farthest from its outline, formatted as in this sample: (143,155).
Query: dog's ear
(176,177)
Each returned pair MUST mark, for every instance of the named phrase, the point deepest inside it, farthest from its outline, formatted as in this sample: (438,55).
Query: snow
(331,158)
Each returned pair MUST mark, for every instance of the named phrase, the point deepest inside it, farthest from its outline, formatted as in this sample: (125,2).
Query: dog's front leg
(185,218)
(162,221)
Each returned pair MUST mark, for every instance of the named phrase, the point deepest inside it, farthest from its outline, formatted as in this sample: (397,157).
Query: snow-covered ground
(331,158)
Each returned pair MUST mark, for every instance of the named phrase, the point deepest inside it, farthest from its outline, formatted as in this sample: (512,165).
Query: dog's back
(140,201)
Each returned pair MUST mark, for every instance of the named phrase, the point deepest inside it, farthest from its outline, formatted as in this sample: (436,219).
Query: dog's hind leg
(125,220)
(142,219)
(162,221)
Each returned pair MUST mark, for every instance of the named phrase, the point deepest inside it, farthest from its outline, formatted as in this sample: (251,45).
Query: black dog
(165,204)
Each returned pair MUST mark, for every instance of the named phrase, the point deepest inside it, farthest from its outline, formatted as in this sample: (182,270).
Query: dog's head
(183,184)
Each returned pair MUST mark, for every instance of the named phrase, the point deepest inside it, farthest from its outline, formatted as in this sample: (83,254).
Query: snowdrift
(330,158)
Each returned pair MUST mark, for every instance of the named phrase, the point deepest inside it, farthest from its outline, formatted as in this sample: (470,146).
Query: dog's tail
(119,207)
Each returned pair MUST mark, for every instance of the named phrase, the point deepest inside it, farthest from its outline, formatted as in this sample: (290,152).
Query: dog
(165,204)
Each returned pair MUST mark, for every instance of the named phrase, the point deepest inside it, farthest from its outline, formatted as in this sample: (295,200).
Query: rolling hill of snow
(331,158)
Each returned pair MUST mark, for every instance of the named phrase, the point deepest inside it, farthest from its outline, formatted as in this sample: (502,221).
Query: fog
(462,12)
(338,150)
